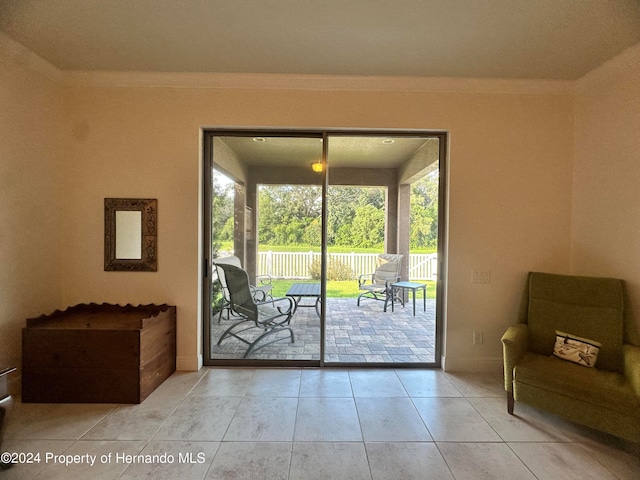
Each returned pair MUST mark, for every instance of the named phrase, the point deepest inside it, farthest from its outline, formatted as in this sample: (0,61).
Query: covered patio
(354,334)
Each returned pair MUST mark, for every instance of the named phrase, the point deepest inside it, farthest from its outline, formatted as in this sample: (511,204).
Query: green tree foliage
(366,229)
(313,232)
(424,212)
(290,215)
(356,217)
(222,193)
(221,226)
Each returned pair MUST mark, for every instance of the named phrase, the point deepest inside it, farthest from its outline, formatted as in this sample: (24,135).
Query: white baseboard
(189,364)
(472,364)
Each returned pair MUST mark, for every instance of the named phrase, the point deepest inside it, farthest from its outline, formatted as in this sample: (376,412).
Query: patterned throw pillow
(576,349)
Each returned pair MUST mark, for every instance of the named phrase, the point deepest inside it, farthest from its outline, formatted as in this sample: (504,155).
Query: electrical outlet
(481,276)
(477,338)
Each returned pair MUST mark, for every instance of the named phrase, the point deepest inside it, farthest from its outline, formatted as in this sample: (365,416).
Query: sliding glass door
(346,226)
(382,249)
(266,218)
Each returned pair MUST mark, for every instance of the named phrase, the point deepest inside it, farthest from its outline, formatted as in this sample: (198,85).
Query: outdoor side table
(301,290)
(413,286)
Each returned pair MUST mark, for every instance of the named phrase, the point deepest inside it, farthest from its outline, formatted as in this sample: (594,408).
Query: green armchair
(605,397)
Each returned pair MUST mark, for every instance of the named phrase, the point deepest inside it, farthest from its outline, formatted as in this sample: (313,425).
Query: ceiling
(532,39)
(524,39)
(364,151)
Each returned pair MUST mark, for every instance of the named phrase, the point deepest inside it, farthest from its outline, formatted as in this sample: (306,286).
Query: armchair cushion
(584,306)
(609,390)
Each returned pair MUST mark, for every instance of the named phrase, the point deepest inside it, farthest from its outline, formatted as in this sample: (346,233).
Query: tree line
(290,215)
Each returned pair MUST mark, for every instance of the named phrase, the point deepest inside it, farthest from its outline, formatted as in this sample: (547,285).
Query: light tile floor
(355,334)
(306,424)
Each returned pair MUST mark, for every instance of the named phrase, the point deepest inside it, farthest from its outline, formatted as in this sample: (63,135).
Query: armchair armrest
(631,362)
(362,279)
(264,279)
(515,342)
(282,309)
(257,294)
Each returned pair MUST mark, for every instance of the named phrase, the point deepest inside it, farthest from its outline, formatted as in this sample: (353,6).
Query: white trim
(472,364)
(256,81)
(189,364)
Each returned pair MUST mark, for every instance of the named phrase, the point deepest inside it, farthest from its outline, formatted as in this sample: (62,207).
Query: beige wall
(30,173)
(606,203)
(138,143)
(510,165)
(510,183)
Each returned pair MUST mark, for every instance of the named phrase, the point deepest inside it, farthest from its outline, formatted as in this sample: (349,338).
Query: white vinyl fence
(298,264)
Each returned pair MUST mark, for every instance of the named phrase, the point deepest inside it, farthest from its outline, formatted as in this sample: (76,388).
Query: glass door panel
(382,229)
(266,216)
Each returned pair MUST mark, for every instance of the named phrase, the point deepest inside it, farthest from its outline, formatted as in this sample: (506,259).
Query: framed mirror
(130,234)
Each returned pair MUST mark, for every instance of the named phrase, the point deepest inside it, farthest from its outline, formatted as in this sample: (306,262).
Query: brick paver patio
(354,334)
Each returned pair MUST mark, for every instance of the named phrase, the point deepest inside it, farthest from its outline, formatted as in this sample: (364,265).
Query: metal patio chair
(260,292)
(377,285)
(270,317)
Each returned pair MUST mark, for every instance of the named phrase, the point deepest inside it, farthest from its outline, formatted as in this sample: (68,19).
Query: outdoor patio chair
(261,292)
(377,285)
(269,317)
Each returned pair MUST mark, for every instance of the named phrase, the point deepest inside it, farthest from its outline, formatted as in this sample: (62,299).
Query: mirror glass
(128,235)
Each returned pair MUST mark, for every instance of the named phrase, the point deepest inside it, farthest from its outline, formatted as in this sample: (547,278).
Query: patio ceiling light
(317,167)
(388,141)
(259,139)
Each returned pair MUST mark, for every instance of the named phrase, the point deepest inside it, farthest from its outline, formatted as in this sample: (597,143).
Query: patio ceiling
(343,152)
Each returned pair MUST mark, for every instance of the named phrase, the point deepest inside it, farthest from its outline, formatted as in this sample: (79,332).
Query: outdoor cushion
(385,271)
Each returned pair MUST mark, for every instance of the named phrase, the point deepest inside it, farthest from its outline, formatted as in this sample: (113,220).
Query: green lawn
(337,289)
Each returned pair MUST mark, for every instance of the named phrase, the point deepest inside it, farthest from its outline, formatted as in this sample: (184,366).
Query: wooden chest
(93,353)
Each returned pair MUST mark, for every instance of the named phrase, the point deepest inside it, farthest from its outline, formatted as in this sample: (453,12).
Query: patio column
(391,224)
(403,223)
(239,204)
(250,232)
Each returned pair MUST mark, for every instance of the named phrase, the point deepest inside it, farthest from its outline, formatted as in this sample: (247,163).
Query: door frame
(208,134)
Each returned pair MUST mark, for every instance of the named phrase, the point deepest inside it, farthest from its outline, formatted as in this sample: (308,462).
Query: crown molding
(21,55)
(354,83)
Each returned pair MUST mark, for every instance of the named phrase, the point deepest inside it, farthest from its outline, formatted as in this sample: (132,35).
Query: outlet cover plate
(481,276)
